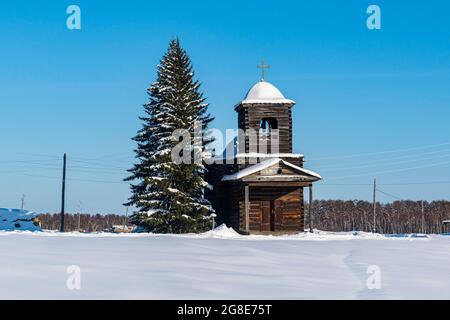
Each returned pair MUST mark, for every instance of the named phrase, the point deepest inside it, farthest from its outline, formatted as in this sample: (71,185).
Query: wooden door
(278,214)
(265,219)
(272,215)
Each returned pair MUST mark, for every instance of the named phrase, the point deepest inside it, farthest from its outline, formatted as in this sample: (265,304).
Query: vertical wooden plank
(302,209)
(310,208)
(272,215)
(247,209)
(265,216)
(278,215)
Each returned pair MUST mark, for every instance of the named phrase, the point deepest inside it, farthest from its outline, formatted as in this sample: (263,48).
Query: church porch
(271,208)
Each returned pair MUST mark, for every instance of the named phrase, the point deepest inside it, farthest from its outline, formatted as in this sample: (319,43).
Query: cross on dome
(263,66)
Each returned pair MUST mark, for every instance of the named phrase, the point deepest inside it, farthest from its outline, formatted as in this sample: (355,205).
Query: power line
(121,154)
(81,171)
(393,171)
(389,159)
(44,161)
(74,179)
(388,194)
(97,168)
(54,157)
(414,183)
(386,164)
(55,165)
(323,183)
(99,164)
(382,152)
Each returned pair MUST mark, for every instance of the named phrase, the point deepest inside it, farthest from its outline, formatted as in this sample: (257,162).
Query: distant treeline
(87,222)
(329,215)
(396,217)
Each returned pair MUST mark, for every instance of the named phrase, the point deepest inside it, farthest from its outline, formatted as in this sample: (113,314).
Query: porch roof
(267,164)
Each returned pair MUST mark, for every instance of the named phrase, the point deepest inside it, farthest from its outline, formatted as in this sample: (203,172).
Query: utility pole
(80,208)
(125,223)
(23,200)
(63,193)
(423,217)
(374,205)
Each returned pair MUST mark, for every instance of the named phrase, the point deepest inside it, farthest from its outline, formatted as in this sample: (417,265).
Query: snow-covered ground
(223,265)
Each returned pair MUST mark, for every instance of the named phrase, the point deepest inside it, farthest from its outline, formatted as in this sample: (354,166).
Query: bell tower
(266,117)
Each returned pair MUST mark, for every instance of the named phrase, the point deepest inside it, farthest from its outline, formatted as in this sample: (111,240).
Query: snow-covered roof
(268,155)
(264,165)
(16,219)
(250,170)
(265,92)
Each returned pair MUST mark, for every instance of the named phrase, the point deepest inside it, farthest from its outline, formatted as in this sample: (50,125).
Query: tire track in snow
(358,265)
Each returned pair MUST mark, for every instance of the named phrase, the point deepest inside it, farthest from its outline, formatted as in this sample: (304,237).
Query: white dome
(264,92)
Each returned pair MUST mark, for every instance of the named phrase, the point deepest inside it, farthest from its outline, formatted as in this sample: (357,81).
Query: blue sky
(370,103)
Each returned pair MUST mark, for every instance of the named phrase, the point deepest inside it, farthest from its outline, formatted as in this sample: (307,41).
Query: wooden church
(260,187)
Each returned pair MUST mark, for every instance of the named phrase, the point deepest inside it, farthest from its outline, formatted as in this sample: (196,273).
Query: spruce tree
(169,197)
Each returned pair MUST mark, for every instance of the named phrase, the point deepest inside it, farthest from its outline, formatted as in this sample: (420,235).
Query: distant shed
(446,226)
(16,219)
